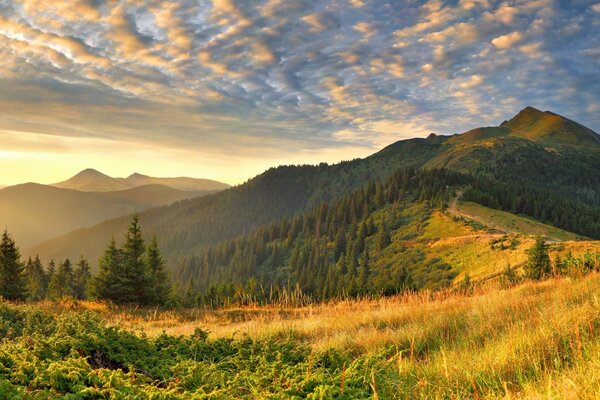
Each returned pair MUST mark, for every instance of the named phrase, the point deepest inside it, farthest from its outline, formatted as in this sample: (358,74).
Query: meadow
(533,340)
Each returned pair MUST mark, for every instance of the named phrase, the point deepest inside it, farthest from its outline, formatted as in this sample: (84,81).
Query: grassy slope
(532,341)
(511,223)
(466,245)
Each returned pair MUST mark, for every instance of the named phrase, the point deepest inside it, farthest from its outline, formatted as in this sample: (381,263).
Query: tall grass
(536,340)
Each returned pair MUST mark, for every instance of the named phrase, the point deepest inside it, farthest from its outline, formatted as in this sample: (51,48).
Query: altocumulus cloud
(274,77)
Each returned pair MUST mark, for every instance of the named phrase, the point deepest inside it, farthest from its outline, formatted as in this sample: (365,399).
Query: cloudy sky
(224,89)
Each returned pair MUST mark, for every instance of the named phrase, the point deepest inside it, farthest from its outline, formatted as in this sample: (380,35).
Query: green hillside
(505,170)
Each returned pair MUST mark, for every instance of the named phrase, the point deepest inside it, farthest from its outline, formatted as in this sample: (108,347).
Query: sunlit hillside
(536,340)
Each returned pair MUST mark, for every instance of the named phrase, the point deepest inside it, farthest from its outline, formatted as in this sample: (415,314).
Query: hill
(556,185)
(91,180)
(35,213)
(180,183)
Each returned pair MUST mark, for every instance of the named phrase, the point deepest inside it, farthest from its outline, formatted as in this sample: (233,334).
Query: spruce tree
(81,279)
(61,285)
(383,239)
(111,284)
(538,263)
(159,287)
(134,264)
(363,274)
(36,279)
(12,280)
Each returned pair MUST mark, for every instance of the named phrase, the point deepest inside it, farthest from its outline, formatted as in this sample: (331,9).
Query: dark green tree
(538,262)
(110,284)
(159,286)
(37,280)
(134,265)
(81,279)
(383,238)
(12,279)
(61,283)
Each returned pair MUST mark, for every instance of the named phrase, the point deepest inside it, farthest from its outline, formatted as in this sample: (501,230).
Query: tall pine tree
(158,288)
(37,282)
(12,280)
(110,282)
(81,279)
(134,264)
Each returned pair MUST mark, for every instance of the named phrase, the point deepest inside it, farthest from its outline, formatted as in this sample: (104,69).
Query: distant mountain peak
(136,175)
(91,180)
(90,172)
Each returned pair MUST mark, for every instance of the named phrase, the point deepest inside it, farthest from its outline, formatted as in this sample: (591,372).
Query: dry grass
(536,340)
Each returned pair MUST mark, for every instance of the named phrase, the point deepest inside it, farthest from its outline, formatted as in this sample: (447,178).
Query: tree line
(132,273)
(329,252)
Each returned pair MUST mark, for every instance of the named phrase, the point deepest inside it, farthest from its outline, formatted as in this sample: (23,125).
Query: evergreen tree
(384,238)
(538,263)
(111,284)
(81,279)
(134,265)
(159,287)
(36,279)
(12,280)
(363,273)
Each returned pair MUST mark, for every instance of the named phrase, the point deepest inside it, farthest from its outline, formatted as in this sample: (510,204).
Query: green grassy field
(536,340)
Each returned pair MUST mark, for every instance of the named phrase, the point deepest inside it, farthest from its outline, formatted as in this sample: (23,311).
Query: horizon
(224,90)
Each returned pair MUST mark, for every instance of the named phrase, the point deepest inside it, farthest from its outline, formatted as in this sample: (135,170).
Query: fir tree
(12,280)
(538,263)
(36,279)
(159,286)
(81,279)
(110,284)
(134,265)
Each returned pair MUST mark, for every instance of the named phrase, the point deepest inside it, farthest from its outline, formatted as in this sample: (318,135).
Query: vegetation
(133,274)
(330,251)
(536,339)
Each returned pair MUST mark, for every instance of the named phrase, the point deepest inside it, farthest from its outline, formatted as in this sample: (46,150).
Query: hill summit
(546,126)
(91,180)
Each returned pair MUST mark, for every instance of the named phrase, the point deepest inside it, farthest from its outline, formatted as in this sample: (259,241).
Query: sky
(225,89)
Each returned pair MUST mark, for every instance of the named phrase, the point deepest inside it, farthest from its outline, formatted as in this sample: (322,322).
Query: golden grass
(536,340)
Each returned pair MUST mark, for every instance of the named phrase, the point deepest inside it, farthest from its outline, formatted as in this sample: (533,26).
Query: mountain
(35,213)
(181,183)
(536,164)
(91,180)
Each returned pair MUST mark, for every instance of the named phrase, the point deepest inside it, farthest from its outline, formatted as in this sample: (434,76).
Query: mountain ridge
(92,180)
(287,190)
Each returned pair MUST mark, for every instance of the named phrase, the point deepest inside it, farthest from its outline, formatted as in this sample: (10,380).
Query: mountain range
(35,213)
(90,180)
(538,164)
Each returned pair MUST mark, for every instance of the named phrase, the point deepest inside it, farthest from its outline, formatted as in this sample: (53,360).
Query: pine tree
(363,274)
(383,239)
(81,279)
(36,279)
(159,286)
(12,280)
(61,283)
(538,263)
(134,264)
(111,284)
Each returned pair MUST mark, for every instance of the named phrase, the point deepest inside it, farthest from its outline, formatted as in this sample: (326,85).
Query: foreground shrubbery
(535,338)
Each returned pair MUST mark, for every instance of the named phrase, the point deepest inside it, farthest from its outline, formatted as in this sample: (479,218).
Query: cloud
(596,7)
(507,41)
(315,77)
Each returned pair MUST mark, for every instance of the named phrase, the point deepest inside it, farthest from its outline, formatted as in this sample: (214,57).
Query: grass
(536,340)
(511,223)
